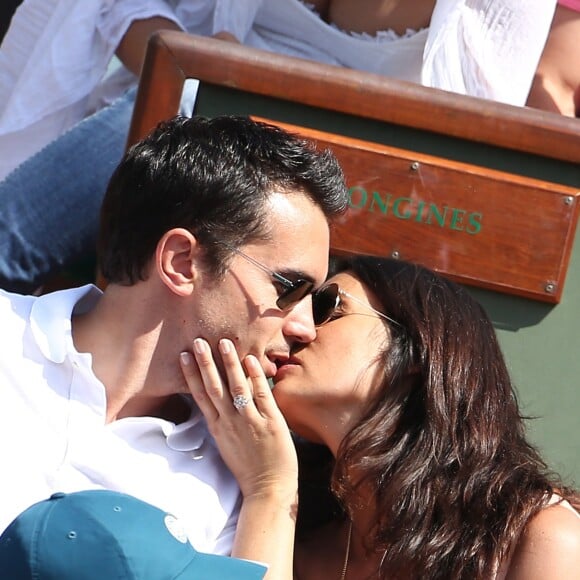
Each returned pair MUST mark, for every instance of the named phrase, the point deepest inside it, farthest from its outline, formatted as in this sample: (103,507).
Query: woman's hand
(253,439)
(255,443)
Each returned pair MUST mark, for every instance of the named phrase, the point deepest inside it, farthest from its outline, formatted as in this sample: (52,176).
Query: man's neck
(123,337)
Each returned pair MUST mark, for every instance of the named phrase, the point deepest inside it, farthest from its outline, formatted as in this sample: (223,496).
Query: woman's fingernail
(225,345)
(185,358)
(198,345)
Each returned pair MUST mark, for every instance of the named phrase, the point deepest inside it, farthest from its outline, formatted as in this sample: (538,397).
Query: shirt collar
(50,322)
(50,318)
(189,435)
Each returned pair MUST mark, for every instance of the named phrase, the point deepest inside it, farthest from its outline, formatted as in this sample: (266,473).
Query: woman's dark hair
(443,446)
(212,177)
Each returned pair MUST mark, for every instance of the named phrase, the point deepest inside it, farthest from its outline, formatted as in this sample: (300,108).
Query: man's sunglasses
(326,301)
(293,292)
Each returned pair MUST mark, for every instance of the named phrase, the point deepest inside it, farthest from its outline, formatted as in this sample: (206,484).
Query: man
(209,228)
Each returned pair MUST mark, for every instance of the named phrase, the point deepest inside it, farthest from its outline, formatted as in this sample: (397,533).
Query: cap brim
(213,567)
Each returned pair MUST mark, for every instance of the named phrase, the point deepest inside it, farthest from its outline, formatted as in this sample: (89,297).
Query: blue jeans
(49,205)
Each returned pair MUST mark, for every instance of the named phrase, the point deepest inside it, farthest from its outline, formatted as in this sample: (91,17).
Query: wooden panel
(177,55)
(490,229)
(159,93)
(481,227)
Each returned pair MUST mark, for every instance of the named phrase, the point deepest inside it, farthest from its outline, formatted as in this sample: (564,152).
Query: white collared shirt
(55,438)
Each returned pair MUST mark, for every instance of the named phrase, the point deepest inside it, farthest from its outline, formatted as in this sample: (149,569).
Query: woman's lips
(285,366)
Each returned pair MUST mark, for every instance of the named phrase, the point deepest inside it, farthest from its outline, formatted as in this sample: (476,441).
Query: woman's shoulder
(549,547)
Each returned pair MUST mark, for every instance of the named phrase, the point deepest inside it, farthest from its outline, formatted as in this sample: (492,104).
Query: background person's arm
(132,48)
(556,85)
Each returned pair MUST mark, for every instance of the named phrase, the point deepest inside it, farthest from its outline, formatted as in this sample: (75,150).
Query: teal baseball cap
(97,534)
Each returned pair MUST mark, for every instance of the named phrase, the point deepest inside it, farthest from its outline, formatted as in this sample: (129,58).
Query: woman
(429,459)
(407,388)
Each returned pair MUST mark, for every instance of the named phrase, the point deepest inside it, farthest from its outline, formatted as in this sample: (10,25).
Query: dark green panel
(214,100)
(541,344)
(542,347)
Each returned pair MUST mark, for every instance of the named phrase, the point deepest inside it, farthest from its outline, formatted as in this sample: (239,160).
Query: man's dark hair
(212,177)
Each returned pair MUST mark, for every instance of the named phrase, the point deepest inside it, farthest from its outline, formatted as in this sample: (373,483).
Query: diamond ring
(240,401)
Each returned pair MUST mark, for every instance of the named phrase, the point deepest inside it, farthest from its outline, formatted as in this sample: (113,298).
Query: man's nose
(299,323)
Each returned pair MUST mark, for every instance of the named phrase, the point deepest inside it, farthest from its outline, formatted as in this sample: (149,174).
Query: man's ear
(177,260)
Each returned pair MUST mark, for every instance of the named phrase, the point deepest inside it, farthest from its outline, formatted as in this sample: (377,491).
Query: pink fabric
(572,4)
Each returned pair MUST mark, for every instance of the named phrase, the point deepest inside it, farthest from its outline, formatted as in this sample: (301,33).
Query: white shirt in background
(54,57)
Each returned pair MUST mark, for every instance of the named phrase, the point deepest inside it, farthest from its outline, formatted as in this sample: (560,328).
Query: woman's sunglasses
(326,301)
